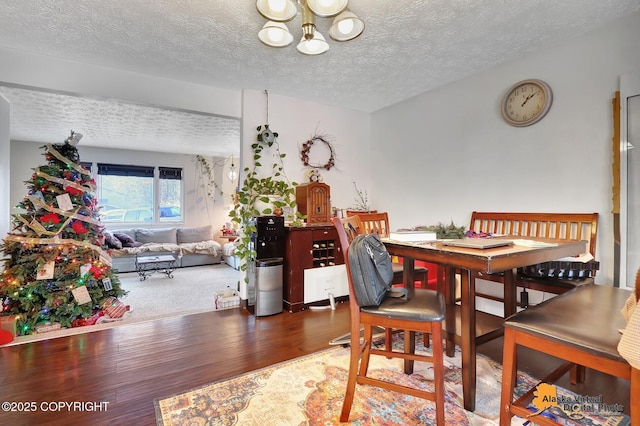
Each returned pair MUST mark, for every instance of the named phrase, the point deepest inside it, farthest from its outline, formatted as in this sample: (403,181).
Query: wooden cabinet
(314,201)
(307,248)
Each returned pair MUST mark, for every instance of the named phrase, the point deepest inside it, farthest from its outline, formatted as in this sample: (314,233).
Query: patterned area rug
(309,391)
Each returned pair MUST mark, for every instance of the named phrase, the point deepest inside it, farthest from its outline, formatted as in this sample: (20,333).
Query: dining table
(467,263)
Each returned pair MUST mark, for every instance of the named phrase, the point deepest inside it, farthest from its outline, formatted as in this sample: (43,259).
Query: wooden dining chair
(379,223)
(579,327)
(422,310)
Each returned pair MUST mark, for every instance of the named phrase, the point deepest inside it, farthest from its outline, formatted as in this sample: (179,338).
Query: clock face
(526,102)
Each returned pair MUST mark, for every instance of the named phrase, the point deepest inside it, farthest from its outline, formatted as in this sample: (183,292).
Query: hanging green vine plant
(206,170)
(275,191)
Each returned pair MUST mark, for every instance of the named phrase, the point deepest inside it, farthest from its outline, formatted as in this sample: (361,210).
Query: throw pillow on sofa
(160,236)
(112,241)
(126,240)
(195,235)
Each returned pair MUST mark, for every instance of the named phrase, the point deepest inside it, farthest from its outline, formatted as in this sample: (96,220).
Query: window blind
(124,170)
(170,173)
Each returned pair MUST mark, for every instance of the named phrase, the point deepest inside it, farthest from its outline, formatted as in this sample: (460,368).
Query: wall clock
(526,102)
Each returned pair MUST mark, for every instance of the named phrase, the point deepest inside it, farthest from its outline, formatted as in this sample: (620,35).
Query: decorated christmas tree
(56,269)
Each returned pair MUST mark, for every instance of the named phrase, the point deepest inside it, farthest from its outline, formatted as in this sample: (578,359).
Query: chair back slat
(375,223)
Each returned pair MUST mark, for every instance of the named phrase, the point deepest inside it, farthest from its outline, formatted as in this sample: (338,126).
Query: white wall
(296,121)
(443,154)
(198,208)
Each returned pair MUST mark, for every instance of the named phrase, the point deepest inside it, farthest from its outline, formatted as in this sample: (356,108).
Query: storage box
(226,299)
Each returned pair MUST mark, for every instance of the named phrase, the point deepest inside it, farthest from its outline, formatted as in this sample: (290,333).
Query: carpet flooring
(191,290)
(309,391)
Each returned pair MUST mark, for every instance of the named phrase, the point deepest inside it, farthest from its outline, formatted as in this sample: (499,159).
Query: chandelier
(346,25)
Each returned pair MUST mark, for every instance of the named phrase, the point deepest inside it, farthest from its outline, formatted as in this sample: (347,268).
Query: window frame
(156,173)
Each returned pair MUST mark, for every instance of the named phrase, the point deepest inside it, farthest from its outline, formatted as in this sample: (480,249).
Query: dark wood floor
(130,366)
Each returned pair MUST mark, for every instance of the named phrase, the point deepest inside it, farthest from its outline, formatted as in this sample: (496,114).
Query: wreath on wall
(306,150)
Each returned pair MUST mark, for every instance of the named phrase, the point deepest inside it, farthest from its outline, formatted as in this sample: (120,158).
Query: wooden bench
(575,226)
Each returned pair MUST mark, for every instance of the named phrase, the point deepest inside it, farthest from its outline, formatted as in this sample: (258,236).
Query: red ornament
(79,227)
(50,217)
(95,271)
(73,191)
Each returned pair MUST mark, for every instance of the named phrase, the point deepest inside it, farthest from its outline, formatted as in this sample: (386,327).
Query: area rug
(309,391)
(191,290)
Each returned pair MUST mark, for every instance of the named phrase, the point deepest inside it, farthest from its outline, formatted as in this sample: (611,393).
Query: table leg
(510,292)
(448,274)
(408,277)
(408,272)
(468,339)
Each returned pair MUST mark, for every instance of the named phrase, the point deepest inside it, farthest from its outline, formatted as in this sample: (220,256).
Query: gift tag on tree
(64,202)
(81,294)
(84,269)
(106,283)
(46,271)
(38,196)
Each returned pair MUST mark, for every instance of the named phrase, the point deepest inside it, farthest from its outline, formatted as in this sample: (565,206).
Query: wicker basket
(226,300)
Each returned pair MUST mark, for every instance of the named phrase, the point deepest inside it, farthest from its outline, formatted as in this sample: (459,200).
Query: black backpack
(371,270)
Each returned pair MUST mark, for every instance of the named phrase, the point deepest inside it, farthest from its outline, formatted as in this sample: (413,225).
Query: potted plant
(262,195)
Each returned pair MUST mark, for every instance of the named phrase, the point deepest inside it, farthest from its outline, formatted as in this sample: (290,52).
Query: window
(170,194)
(131,194)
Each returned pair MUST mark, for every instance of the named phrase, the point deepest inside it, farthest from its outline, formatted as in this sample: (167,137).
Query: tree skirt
(309,391)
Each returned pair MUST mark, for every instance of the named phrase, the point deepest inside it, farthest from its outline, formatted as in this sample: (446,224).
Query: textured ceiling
(41,116)
(408,47)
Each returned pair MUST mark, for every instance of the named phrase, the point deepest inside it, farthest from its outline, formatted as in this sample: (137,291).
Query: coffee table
(148,265)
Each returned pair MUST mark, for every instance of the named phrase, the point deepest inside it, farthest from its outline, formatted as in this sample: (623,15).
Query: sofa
(193,246)
(229,256)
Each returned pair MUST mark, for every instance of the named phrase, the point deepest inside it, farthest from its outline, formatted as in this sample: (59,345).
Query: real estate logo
(576,407)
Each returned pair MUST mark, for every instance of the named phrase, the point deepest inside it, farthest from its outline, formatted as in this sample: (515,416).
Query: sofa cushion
(195,235)
(126,240)
(127,231)
(164,235)
(112,241)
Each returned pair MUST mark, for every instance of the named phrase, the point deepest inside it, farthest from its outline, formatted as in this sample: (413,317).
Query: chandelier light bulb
(345,26)
(277,5)
(325,8)
(275,34)
(277,10)
(314,46)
